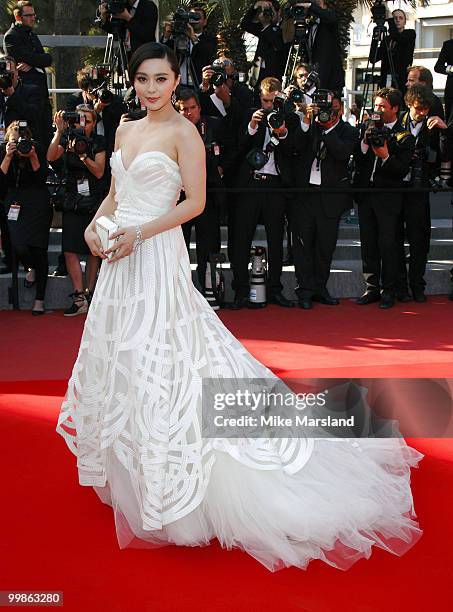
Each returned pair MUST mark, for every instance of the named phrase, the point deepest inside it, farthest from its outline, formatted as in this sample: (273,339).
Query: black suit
(24,46)
(326,49)
(207,224)
(252,207)
(25,104)
(379,213)
(202,53)
(271,50)
(446,59)
(315,217)
(415,219)
(401,49)
(142,26)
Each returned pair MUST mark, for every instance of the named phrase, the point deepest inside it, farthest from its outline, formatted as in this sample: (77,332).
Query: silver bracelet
(139,237)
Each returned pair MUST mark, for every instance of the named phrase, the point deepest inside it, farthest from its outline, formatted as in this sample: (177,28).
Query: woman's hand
(59,121)
(94,242)
(10,148)
(124,245)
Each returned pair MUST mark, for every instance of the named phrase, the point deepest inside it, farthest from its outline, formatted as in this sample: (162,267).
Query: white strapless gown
(132,417)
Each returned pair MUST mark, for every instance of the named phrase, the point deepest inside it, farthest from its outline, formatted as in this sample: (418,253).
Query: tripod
(181,46)
(379,41)
(115,56)
(300,52)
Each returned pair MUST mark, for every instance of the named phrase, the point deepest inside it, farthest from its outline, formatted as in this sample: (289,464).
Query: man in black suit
(20,101)
(382,164)
(444,65)
(415,218)
(262,19)
(201,48)
(207,224)
(138,21)
(324,46)
(274,171)
(401,44)
(21,43)
(326,147)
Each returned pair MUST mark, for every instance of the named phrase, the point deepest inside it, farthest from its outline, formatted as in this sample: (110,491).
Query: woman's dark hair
(152,51)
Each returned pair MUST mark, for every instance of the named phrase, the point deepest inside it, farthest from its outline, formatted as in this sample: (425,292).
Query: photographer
(23,173)
(137,21)
(108,106)
(17,100)
(326,143)
(83,154)
(322,42)
(21,43)
(382,160)
(207,225)
(222,93)
(267,165)
(401,44)
(262,19)
(415,219)
(194,47)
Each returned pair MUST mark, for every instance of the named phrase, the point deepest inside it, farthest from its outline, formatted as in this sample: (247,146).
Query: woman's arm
(192,165)
(55,150)
(6,162)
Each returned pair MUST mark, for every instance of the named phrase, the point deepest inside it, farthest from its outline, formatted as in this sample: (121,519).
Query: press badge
(83,187)
(13,213)
(216,149)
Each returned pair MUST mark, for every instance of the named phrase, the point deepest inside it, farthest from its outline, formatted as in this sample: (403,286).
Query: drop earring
(173,98)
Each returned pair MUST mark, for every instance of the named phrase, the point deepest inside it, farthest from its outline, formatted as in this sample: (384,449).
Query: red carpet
(58,536)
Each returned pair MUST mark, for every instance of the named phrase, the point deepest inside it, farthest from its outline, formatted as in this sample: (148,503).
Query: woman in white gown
(132,414)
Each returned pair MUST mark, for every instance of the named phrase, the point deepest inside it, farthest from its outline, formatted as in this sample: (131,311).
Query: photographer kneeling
(83,155)
(23,173)
(326,143)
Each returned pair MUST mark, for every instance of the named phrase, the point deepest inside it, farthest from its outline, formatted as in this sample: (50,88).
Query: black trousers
(36,259)
(379,240)
(314,241)
(6,239)
(207,236)
(270,207)
(415,224)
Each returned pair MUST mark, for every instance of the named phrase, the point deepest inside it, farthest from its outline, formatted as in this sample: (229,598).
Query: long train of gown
(132,416)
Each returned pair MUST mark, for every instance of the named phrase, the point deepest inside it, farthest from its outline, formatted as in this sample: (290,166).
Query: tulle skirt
(348,497)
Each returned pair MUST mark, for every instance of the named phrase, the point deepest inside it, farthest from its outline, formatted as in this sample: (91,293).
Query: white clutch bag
(105,227)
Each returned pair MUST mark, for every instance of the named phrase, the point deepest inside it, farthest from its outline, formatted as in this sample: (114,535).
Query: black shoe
(238,303)
(5,270)
(79,304)
(403,296)
(419,296)
(280,300)
(60,271)
(305,303)
(325,298)
(288,261)
(387,301)
(368,298)
(38,313)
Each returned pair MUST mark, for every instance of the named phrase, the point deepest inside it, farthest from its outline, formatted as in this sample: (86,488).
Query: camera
(378,134)
(181,19)
(323,98)
(23,145)
(378,12)
(117,6)
(134,110)
(6,73)
(300,14)
(275,117)
(423,166)
(220,76)
(100,75)
(76,136)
